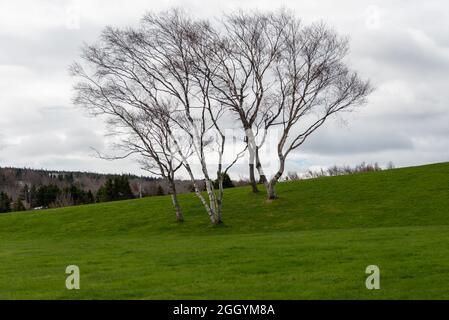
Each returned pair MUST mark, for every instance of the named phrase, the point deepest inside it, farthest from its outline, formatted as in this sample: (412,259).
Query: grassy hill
(314,242)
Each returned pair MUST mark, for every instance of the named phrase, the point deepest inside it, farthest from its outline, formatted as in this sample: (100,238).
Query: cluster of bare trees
(171,87)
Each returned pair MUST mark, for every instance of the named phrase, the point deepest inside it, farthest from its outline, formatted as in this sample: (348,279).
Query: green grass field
(314,242)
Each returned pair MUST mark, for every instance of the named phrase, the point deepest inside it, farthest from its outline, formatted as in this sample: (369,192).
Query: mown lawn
(314,242)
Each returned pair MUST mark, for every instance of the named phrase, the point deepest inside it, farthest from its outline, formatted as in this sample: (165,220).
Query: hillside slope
(314,242)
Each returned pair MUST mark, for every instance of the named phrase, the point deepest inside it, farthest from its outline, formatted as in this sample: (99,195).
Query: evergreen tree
(18,205)
(110,190)
(33,197)
(102,195)
(160,190)
(46,195)
(227,182)
(77,196)
(90,197)
(116,188)
(5,203)
(122,189)
(25,193)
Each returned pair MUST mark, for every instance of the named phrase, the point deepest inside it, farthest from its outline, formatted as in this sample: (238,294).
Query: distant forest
(27,189)
(24,189)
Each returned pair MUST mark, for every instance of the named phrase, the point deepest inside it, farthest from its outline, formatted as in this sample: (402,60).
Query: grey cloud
(70,142)
(51,51)
(336,142)
(385,58)
(407,59)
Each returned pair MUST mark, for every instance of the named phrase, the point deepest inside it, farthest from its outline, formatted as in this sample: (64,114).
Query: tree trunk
(262,176)
(217,220)
(179,215)
(174,198)
(252,178)
(209,210)
(220,197)
(213,203)
(251,143)
(271,190)
(212,206)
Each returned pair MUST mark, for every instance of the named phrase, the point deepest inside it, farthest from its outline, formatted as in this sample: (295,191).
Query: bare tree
(243,53)
(155,83)
(313,84)
(171,86)
(110,84)
(182,67)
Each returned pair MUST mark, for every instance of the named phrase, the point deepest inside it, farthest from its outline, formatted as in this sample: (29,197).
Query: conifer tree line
(37,188)
(114,189)
(45,196)
(23,189)
(5,203)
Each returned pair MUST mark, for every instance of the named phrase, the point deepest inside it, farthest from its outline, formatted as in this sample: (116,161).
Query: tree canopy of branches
(170,88)
(248,48)
(313,84)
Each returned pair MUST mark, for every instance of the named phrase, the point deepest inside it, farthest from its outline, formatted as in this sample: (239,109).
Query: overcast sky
(401,46)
